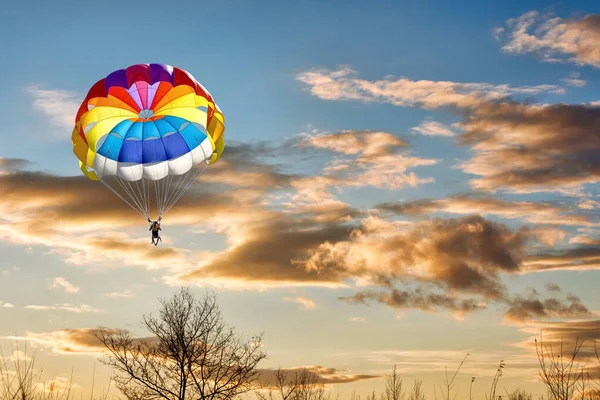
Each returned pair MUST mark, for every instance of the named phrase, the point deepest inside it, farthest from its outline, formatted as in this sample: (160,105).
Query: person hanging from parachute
(155,227)
(147,132)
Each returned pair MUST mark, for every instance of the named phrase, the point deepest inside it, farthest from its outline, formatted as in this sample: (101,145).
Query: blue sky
(265,64)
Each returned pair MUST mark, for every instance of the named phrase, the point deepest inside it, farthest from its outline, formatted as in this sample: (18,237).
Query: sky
(403,183)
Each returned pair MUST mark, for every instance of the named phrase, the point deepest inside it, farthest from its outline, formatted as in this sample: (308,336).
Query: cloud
(574,80)
(577,258)
(315,373)
(83,341)
(533,212)
(425,361)
(305,302)
(7,305)
(86,224)
(66,341)
(83,308)
(12,164)
(554,39)
(521,147)
(433,128)
(343,84)
(62,283)
(262,252)
(419,299)
(528,148)
(531,307)
(465,255)
(377,159)
(248,165)
(59,106)
(124,294)
(559,338)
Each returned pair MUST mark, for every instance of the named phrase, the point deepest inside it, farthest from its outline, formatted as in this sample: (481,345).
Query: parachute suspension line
(119,196)
(165,185)
(146,199)
(135,188)
(194,175)
(155,184)
(172,190)
(126,186)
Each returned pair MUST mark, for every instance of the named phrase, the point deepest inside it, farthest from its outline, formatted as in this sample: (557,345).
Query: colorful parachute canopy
(144,125)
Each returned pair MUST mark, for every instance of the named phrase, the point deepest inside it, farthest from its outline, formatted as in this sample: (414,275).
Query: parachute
(147,132)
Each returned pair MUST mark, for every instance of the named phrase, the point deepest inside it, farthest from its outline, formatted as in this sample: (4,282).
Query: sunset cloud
(343,84)
(83,308)
(419,299)
(521,147)
(533,212)
(85,223)
(306,303)
(66,286)
(124,294)
(576,258)
(377,159)
(532,307)
(465,254)
(316,373)
(554,39)
(529,148)
(433,128)
(67,341)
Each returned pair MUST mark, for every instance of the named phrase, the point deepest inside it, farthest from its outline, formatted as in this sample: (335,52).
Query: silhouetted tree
(394,387)
(191,355)
(559,371)
(417,391)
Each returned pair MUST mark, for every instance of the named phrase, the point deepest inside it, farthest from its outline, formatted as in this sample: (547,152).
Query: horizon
(401,184)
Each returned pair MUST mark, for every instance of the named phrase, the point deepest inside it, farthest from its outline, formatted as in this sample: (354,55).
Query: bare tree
(301,385)
(417,391)
(518,394)
(559,373)
(372,396)
(449,383)
(191,355)
(394,387)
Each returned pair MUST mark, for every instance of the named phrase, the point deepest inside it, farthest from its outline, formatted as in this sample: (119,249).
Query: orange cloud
(62,283)
(528,148)
(68,341)
(316,374)
(83,308)
(377,159)
(344,84)
(433,128)
(554,39)
(305,302)
(517,146)
(534,212)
